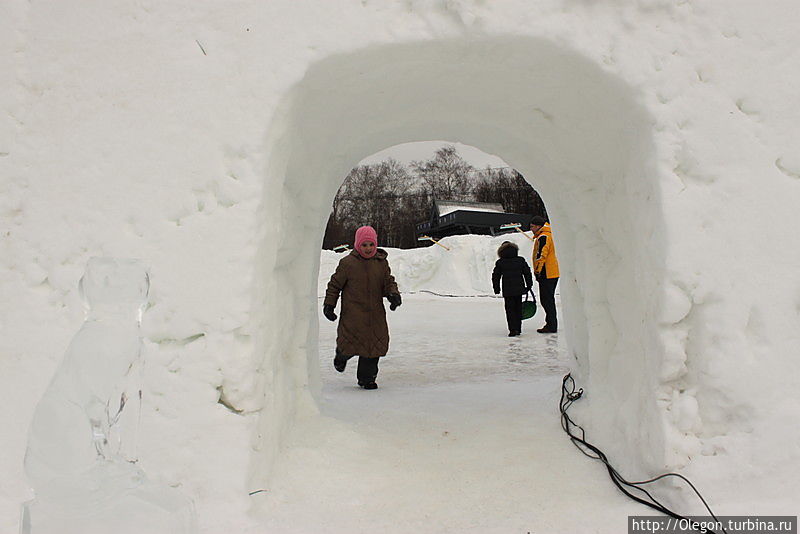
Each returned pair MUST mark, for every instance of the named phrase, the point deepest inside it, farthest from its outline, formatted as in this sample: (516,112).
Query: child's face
(367,247)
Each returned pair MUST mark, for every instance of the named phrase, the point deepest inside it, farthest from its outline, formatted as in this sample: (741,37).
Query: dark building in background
(452,217)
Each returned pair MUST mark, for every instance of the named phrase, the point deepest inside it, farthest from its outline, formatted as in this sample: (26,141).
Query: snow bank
(465,270)
(209,141)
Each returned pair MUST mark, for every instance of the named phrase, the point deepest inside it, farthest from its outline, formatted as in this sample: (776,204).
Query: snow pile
(209,142)
(464,270)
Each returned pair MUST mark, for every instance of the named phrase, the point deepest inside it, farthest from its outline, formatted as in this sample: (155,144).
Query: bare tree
(510,189)
(393,200)
(447,175)
(370,195)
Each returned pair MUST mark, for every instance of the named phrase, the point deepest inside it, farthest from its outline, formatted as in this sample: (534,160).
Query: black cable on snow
(569,396)
(454,296)
(321,297)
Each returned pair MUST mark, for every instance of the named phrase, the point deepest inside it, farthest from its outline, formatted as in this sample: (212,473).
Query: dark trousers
(514,313)
(547,297)
(367,370)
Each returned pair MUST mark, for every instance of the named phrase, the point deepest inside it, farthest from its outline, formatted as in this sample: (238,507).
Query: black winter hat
(538,220)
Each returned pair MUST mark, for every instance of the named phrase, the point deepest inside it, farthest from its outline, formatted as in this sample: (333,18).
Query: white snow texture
(208,139)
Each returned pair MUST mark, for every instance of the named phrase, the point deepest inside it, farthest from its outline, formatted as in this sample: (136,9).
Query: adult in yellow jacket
(545,268)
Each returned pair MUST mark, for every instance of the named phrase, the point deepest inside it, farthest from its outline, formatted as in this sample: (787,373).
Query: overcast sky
(408,152)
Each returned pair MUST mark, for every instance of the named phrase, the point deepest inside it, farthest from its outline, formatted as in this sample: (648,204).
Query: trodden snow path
(462,435)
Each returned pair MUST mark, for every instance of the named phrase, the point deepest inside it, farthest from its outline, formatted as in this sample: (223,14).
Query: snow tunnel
(549,112)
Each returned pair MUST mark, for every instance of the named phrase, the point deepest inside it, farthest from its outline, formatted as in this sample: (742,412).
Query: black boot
(367,372)
(339,361)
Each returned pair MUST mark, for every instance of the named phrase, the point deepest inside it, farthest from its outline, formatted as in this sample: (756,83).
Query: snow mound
(465,270)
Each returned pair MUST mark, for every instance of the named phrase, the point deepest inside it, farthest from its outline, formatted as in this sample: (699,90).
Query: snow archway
(548,112)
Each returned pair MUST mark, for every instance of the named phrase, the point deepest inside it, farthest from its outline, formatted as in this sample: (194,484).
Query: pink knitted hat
(366,233)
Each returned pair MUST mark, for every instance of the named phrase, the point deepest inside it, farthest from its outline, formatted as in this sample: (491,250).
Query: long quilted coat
(363,283)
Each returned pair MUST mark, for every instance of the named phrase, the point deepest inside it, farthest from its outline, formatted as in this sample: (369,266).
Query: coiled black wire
(568,396)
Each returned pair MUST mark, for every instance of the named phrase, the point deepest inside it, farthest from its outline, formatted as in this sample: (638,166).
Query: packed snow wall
(208,141)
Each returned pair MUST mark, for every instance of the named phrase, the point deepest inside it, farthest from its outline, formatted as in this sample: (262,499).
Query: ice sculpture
(81,455)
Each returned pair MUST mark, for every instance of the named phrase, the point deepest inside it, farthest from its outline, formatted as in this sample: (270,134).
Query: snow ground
(462,435)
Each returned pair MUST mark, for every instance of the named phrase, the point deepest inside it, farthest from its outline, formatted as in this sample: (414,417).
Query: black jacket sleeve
(496,274)
(526,272)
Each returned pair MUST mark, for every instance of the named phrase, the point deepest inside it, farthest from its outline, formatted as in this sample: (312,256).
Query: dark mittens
(394,301)
(327,311)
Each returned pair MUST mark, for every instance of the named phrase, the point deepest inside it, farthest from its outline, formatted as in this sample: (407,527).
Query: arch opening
(549,113)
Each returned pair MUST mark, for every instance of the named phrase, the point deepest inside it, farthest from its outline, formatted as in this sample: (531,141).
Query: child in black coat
(516,281)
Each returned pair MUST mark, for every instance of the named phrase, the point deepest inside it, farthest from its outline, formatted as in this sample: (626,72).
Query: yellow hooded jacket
(544,253)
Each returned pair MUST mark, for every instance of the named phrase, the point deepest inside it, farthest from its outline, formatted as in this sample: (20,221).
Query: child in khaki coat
(363,278)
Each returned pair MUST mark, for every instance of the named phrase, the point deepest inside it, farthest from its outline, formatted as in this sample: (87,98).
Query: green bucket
(529,306)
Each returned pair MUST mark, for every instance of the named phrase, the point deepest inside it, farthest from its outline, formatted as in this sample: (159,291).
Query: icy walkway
(462,436)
